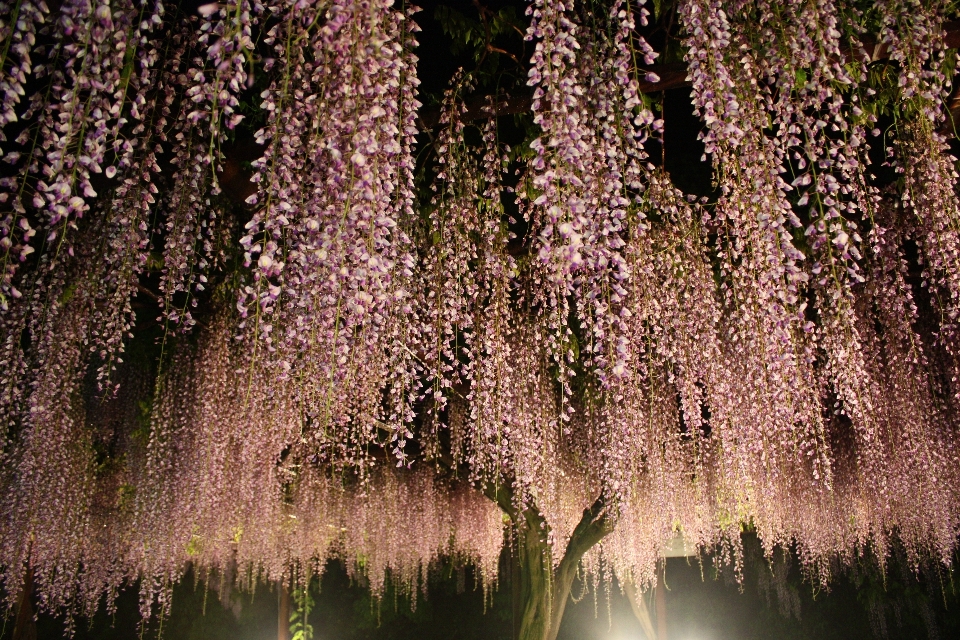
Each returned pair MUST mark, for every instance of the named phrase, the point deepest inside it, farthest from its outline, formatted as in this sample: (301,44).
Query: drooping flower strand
(822,132)
(91,314)
(189,214)
(60,276)
(622,125)
(450,262)
(194,423)
(94,40)
(27,312)
(659,438)
(329,240)
(833,164)
(909,399)
(559,177)
(79,310)
(86,93)
(479,354)
(914,35)
(129,206)
(121,216)
(298,514)
(18,35)
(51,480)
(485,429)
(128,215)
(402,371)
(134,75)
(520,445)
(430,519)
(16,192)
(585,175)
(288,137)
(227,36)
(821,140)
(914,32)
(193,215)
(761,266)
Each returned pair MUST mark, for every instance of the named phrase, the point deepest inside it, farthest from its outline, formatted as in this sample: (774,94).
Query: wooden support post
(639,605)
(660,599)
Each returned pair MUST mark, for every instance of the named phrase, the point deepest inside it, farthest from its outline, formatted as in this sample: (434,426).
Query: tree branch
(594,525)
(499,492)
(502,494)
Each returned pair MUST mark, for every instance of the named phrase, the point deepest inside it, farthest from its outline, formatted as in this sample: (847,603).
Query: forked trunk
(536,575)
(543,590)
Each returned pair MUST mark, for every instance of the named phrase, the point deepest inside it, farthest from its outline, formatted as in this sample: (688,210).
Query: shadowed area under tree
(701,605)
(530,288)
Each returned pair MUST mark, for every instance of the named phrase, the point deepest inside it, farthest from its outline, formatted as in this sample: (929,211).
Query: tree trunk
(544,591)
(25,627)
(536,575)
(515,587)
(283,613)
(540,594)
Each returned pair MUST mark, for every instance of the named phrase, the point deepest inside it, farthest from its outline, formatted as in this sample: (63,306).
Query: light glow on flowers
(365,362)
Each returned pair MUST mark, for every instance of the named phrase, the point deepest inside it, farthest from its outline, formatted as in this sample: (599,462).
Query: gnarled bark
(544,591)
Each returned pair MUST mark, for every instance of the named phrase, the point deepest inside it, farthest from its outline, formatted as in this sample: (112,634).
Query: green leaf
(461,29)
(68,293)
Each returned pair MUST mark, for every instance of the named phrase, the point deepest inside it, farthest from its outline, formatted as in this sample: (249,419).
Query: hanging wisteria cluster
(361,363)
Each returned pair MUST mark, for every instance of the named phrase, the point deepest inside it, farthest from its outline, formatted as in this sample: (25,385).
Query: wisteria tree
(265,302)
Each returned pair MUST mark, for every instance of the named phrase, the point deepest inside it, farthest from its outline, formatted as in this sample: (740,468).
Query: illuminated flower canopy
(557,321)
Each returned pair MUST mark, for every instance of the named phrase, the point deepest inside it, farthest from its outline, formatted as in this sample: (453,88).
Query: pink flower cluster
(783,356)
